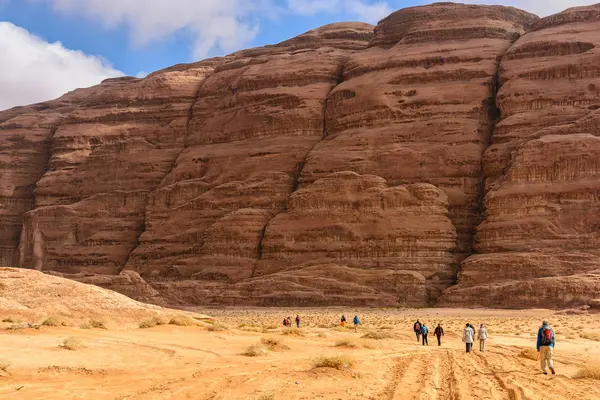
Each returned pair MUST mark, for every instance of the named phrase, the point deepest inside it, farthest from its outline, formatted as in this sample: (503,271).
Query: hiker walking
(482,336)
(439,332)
(417,328)
(545,346)
(425,332)
(468,336)
(289,322)
(343,321)
(297,321)
(356,323)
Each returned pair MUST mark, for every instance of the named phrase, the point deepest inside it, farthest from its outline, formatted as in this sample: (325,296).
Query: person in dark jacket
(356,323)
(545,346)
(439,332)
(425,332)
(417,329)
(297,321)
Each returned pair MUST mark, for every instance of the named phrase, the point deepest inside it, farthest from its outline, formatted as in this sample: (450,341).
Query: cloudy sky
(48,47)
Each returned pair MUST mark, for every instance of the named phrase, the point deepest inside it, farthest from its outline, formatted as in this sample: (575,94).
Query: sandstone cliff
(448,155)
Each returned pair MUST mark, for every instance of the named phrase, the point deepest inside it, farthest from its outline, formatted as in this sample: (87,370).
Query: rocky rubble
(448,155)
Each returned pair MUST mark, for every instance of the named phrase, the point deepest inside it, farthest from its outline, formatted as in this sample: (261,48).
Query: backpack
(417,327)
(546,336)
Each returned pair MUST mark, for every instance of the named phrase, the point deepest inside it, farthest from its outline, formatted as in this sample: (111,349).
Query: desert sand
(206,361)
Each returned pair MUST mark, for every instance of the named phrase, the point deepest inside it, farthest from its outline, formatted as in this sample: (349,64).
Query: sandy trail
(172,362)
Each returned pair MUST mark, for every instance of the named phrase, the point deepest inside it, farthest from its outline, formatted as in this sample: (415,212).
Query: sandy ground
(175,362)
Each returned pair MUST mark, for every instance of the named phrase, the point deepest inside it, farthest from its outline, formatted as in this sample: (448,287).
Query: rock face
(539,240)
(350,165)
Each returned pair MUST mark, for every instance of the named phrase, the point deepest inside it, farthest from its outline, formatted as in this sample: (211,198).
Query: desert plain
(247,354)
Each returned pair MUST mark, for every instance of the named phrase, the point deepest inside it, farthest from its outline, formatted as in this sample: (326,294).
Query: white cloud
(33,70)
(366,11)
(217,26)
(540,7)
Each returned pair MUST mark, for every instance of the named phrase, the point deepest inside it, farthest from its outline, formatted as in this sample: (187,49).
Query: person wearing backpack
(482,336)
(417,328)
(425,332)
(285,322)
(545,346)
(468,337)
(343,321)
(439,332)
(297,321)
(356,323)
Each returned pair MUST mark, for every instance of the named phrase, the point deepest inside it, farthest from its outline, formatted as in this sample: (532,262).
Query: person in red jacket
(439,332)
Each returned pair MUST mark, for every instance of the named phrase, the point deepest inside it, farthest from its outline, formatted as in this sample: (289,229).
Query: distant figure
(482,336)
(289,322)
(545,345)
(425,332)
(417,328)
(297,321)
(439,332)
(285,322)
(356,323)
(468,337)
(343,321)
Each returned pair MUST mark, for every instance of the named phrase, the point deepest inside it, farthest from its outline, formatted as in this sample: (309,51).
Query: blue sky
(102,38)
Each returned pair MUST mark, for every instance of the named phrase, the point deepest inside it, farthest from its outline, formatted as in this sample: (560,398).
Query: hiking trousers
(546,358)
(469,346)
(481,344)
(425,341)
(439,338)
(418,336)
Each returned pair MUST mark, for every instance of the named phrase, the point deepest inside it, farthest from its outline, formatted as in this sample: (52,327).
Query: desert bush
(53,321)
(182,320)
(96,323)
(530,354)
(217,327)
(293,331)
(588,372)
(267,397)
(345,343)
(152,322)
(377,335)
(591,336)
(12,320)
(335,362)
(271,341)
(254,351)
(72,343)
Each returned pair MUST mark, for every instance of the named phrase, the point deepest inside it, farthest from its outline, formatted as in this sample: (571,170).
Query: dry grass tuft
(12,320)
(217,327)
(530,354)
(377,335)
(4,366)
(267,397)
(346,343)
(53,321)
(293,331)
(96,323)
(337,362)
(254,351)
(154,321)
(72,343)
(183,320)
(591,336)
(588,372)
(271,342)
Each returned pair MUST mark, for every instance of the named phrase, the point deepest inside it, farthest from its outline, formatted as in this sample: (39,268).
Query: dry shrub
(217,327)
(530,354)
(254,351)
(4,366)
(72,343)
(183,320)
(293,331)
(271,341)
(86,325)
(336,362)
(53,321)
(377,335)
(588,372)
(346,343)
(591,336)
(154,321)
(267,397)
(96,323)
(12,320)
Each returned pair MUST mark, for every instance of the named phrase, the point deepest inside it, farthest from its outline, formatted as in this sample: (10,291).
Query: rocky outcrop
(350,165)
(540,230)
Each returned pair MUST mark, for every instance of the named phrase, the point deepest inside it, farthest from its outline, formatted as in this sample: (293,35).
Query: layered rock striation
(448,155)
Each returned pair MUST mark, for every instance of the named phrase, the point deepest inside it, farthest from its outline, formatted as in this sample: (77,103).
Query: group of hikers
(545,340)
(287,322)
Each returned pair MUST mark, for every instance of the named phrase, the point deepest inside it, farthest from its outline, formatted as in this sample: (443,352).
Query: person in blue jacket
(356,323)
(424,333)
(545,346)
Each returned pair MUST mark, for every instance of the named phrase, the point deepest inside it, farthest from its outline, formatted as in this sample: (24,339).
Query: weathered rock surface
(350,165)
(540,235)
